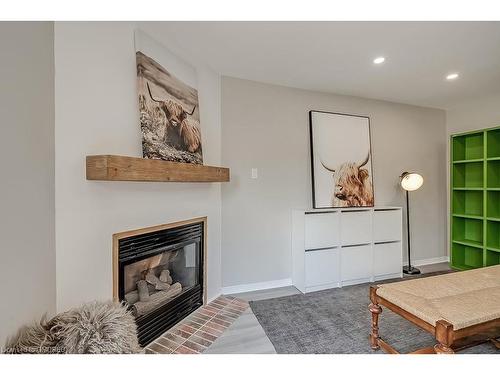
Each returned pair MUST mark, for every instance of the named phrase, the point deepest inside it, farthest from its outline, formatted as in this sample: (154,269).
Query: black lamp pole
(409,269)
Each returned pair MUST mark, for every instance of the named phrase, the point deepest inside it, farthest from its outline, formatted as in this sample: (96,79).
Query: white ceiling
(337,56)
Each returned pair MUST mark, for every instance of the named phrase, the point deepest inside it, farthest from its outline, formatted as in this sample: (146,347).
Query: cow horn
(151,96)
(190,114)
(328,169)
(365,161)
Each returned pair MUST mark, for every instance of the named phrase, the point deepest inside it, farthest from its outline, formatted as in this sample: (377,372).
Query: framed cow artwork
(341,161)
(168,103)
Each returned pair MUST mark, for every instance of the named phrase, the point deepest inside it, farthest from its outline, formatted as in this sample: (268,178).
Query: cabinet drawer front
(356,262)
(322,267)
(387,225)
(321,230)
(387,258)
(356,227)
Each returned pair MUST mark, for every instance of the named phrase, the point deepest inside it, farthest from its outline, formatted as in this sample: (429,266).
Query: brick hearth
(199,330)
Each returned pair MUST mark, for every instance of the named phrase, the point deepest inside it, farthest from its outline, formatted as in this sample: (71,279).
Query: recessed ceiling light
(452,76)
(379,60)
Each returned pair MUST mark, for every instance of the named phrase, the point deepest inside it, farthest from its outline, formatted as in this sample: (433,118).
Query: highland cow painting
(168,104)
(341,160)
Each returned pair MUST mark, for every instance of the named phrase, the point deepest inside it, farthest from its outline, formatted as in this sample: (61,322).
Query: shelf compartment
(468,175)
(492,258)
(493,173)
(468,203)
(468,231)
(322,267)
(493,143)
(466,257)
(356,228)
(386,258)
(322,231)
(493,234)
(493,204)
(358,255)
(387,226)
(468,146)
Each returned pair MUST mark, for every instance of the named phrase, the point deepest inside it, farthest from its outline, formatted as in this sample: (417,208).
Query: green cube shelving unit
(475,199)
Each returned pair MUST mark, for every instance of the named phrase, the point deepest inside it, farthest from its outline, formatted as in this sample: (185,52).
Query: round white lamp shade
(411,181)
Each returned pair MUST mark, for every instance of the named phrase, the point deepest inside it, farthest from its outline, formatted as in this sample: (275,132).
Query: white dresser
(336,247)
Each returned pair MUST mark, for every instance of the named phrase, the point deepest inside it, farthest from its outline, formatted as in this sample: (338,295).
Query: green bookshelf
(475,199)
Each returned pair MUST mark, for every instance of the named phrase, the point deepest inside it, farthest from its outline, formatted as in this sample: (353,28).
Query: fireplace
(159,272)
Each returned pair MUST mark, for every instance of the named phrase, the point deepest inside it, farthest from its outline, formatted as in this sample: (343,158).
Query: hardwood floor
(246,335)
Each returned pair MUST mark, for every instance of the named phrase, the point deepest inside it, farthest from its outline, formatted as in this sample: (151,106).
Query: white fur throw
(92,328)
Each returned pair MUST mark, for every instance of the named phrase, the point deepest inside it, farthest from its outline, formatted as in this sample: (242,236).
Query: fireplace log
(162,286)
(156,299)
(132,297)
(165,276)
(152,279)
(142,288)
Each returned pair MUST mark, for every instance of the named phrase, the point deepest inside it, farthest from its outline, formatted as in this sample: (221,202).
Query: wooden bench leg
(444,336)
(496,342)
(443,349)
(375,309)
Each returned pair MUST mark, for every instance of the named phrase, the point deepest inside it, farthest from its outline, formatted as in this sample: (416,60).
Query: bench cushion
(461,298)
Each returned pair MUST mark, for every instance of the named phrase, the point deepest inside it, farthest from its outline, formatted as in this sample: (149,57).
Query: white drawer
(387,225)
(321,230)
(387,258)
(356,227)
(356,262)
(322,267)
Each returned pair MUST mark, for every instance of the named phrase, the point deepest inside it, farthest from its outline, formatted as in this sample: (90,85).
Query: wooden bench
(460,309)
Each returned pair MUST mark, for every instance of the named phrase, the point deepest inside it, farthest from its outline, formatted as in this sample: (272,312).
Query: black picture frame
(311,144)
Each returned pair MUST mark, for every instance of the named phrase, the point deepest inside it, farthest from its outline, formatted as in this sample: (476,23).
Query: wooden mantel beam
(126,168)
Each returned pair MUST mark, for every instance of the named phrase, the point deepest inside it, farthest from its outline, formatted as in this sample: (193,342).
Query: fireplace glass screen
(156,280)
(160,276)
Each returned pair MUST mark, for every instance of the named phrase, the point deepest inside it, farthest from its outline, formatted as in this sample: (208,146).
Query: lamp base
(410,270)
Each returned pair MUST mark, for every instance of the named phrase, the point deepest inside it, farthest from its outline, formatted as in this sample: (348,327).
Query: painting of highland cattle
(341,160)
(168,104)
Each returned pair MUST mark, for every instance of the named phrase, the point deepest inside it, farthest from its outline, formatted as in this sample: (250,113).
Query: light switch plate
(255,173)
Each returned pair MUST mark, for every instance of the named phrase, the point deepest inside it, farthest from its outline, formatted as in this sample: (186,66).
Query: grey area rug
(337,321)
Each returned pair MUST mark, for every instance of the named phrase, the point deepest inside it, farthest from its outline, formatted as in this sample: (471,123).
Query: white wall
(27,266)
(97,113)
(480,113)
(266,127)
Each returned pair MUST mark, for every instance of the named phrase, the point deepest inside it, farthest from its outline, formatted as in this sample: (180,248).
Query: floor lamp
(410,182)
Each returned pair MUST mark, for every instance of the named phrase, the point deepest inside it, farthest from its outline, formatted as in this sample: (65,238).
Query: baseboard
(424,262)
(322,287)
(355,282)
(242,288)
(388,276)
